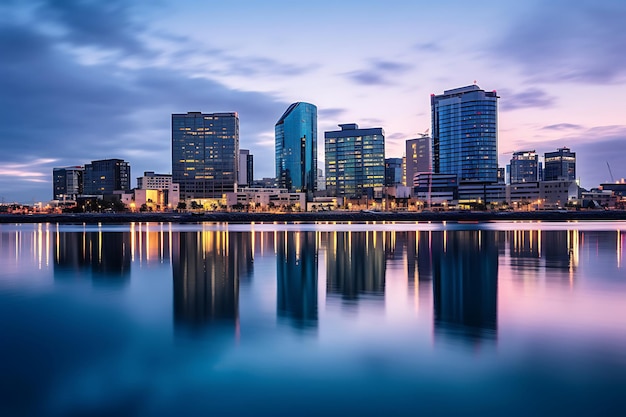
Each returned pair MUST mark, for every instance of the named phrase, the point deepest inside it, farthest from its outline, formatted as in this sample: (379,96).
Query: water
(329,319)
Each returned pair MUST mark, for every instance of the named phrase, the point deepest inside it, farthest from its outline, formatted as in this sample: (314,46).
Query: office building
(245,175)
(321,180)
(524,167)
(205,153)
(393,172)
(560,165)
(418,158)
(156,191)
(355,161)
(465,133)
(105,176)
(67,183)
(152,181)
(296,148)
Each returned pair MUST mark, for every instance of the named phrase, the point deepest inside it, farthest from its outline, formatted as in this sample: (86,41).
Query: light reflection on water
(162,319)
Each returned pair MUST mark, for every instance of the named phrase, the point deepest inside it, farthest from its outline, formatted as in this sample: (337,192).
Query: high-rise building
(393,172)
(245,176)
(560,165)
(296,148)
(67,182)
(465,133)
(321,180)
(355,161)
(524,167)
(105,176)
(418,158)
(205,153)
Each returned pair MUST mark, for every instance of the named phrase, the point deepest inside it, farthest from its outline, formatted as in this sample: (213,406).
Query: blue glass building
(465,133)
(104,176)
(355,161)
(560,165)
(205,154)
(296,148)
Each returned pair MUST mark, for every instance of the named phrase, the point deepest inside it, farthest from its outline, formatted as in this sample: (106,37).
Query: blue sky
(86,80)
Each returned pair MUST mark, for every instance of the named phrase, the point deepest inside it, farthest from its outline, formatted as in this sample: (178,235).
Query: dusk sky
(88,80)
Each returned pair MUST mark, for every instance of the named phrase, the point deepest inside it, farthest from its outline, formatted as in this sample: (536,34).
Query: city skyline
(94,80)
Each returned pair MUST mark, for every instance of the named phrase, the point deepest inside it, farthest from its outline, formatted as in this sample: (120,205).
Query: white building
(265,198)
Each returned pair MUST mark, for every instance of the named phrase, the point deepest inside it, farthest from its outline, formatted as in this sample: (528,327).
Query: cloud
(378,72)
(397,136)
(562,126)
(564,41)
(57,108)
(427,47)
(104,24)
(331,113)
(530,98)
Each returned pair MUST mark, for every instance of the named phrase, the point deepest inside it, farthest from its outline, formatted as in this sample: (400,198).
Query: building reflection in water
(555,251)
(355,266)
(296,274)
(465,290)
(206,266)
(103,256)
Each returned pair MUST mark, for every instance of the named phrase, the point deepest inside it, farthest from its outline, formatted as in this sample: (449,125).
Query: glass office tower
(67,183)
(465,133)
(560,165)
(524,167)
(418,158)
(105,176)
(355,161)
(296,148)
(205,153)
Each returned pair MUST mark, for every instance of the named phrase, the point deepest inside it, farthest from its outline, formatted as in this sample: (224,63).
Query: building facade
(152,181)
(465,133)
(67,183)
(393,172)
(106,176)
(245,176)
(560,165)
(296,148)
(355,161)
(205,153)
(524,167)
(418,158)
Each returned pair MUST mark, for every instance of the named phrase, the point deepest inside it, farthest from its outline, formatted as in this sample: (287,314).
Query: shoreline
(310,217)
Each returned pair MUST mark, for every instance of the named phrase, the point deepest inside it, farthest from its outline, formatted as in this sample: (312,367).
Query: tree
(181,205)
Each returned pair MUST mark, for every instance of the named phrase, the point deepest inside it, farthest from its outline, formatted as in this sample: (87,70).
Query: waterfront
(309,319)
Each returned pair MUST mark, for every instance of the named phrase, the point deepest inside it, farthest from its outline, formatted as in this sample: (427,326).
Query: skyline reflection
(465,285)
(455,272)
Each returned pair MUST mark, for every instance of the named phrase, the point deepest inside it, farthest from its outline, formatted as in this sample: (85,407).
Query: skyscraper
(524,167)
(296,148)
(245,176)
(355,161)
(560,165)
(393,172)
(105,176)
(418,158)
(67,182)
(465,133)
(205,153)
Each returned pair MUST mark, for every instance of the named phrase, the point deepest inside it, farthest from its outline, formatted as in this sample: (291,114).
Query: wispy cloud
(562,126)
(378,72)
(565,41)
(530,98)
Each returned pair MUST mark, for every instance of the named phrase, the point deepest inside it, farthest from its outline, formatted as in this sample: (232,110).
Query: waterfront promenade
(332,216)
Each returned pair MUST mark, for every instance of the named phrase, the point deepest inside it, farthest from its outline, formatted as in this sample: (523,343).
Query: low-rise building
(265,198)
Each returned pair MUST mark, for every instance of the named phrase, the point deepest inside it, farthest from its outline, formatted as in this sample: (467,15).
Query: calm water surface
(333,319)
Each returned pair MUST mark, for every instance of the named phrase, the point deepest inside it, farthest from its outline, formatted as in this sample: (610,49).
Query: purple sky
(86,80)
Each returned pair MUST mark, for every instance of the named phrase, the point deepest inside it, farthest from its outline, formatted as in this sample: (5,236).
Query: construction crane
(610,172)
